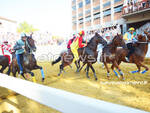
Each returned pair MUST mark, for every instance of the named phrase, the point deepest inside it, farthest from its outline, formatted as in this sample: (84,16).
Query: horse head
(118,41)
(99,39)
(148,35)
(30,45)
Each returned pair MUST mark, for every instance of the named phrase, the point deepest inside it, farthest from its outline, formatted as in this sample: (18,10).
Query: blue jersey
(18,47)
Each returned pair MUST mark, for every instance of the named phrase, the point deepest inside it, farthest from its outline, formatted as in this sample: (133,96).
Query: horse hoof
(43,79)
(27,76)
(96,79)
(123,78)
(88,76)
(77,71)
(108,77)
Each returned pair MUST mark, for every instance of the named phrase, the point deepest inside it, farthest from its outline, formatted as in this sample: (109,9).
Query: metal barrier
(60,100)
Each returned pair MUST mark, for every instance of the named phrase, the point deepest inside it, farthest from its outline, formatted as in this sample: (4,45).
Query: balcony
(135,8)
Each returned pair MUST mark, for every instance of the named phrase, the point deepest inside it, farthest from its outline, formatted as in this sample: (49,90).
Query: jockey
(70,41)
(129,38)
(19,47)
(77,43)
(7,51)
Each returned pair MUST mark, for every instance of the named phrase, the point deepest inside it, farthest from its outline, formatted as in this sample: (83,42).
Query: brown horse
(29,62)
(109,53)
(4,62)
(141,48)
(87,55)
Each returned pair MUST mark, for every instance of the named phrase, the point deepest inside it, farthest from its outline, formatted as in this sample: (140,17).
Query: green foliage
(26,28)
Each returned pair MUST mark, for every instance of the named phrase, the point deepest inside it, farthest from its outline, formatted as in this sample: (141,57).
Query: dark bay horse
(88,55)
(29,62)
(141,48)
(4,62)
(109,53)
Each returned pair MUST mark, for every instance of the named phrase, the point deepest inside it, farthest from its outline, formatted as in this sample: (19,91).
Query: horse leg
(139,69)
(87,71)
(77,66)
(9,70)
(3,68)
(42,72)
(33,76)
(23,76)
(61,69)
(119,70)
(14,70)
(142,65)
(31,73)
(112,67)
(93,71)
(106,66)
(78,63)
(82,67)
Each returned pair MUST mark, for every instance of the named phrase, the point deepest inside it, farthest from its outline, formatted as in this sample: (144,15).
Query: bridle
(28,45)
(146,40)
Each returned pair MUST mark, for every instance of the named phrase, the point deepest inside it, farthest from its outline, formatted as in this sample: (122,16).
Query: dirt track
(133,95)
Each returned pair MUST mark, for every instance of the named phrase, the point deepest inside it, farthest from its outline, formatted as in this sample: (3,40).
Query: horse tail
(57,60)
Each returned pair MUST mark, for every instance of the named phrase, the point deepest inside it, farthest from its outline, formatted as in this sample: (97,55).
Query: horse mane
(91,40)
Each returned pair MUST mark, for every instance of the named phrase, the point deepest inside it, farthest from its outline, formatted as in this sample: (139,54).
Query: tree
(26,28)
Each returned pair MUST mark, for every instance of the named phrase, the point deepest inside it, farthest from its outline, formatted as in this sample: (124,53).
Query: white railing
(60,100)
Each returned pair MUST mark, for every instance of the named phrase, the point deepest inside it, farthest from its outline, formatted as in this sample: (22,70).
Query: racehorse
(29,62)
(109,53)
(4,62)
(141,48)
(87,55)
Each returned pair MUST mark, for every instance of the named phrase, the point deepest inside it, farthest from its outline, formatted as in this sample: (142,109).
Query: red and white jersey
(6,49)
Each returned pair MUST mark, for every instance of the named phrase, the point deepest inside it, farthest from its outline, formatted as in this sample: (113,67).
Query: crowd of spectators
(143,28)
(135,5)
(9,36)
(41,38)
(46,38)
(108,33)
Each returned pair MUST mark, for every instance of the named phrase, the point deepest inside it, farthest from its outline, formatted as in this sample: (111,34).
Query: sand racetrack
(135,94)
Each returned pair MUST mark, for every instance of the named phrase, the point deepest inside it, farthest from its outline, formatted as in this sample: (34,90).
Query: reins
(28,45)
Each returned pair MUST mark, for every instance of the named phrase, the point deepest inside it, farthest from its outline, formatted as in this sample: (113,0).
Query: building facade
(96,14)
(7,25)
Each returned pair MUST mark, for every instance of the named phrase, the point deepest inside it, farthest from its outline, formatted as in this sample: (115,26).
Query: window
(80,14)
(95,0)
(73,17)
(118,9)
(96,15)
(107,4)
(74,22)
(81,21)
(115,1)
(96,8)
(107,12)
(88,11)
(88,18)
(87,2)
(80,4)
(73,8)
(73,1)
